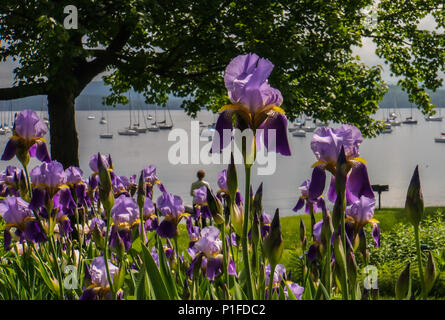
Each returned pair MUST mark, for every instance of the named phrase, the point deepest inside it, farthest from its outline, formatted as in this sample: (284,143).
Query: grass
(290,228)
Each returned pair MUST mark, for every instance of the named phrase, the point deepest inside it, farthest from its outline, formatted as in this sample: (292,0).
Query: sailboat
(8,120)
(137,127)
(2,130)
(106,135)
(164,125)
(90,116)
(103,120)
(128,131)
(435,118)
(410,120)
(154,126)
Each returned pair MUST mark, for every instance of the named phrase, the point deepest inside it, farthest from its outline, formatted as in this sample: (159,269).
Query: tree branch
(23,91)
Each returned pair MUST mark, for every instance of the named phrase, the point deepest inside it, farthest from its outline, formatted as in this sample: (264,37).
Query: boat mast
(129,102)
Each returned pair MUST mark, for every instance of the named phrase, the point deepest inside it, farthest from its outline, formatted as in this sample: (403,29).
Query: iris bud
(141,191)
(414,200)
(273,243)
(430,273)
(23,188)
(352,267)
(403,284)
(237,218)
(339,253)
(326,229)
(303,239)
(105,188)
(215,207)
(98,238)
(232,179)
(119,246)
(255,228)
(258,201)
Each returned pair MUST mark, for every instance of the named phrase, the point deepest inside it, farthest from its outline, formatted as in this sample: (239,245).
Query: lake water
(391,158)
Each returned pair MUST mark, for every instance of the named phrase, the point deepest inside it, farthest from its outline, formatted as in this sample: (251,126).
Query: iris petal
(318,182)
(10,150)
(223,124)
(277,122)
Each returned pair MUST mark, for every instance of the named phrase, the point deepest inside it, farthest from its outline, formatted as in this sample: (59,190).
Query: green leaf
(166,273)
(159,289)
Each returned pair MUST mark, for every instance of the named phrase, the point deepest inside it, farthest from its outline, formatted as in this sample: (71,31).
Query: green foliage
(399,243)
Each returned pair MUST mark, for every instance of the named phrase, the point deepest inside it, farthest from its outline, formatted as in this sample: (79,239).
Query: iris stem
(419,262)
(28,181)
(271,276)
(110,282)
(59,272)
(245,230)
(142,232)
(225,253)
(311,211)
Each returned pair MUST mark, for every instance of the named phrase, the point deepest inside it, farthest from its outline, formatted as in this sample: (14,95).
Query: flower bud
(105,187)
(258,201)
(232,179)
(430,273)
(303,239)
(119,246)
(352,266)
(141,191)
(414,200)
(339,253)
(98,238)
(23,187)
(255,233)
(403,284)
(326,229)
(215,207)
(237,218)
(273,243)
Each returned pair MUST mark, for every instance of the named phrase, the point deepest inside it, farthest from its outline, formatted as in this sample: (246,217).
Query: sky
(366,54)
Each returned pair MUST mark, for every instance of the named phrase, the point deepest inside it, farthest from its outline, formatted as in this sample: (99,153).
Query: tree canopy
(182,47)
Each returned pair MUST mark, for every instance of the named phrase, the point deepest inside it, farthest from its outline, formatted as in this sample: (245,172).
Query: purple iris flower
(295,288)
(222,184)
(16,213)
(49,176)
(172,209)
(200,201)
(29,131)
(222,180)
(255,102)
(193,232)
(149,215)
(304,198)
(94,166)
(326,144)
(313,250)
(209,247)
(9,181)
(360,214)
(125,213)
(265,222)
(99,288)
(77,184)
(278,276)
(150,179)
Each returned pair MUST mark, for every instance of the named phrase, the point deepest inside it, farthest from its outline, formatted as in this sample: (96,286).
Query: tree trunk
(64,141)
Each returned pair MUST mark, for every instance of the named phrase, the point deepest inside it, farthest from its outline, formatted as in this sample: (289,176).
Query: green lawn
(290,227)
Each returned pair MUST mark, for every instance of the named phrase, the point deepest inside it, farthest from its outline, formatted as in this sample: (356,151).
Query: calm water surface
(391,158)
